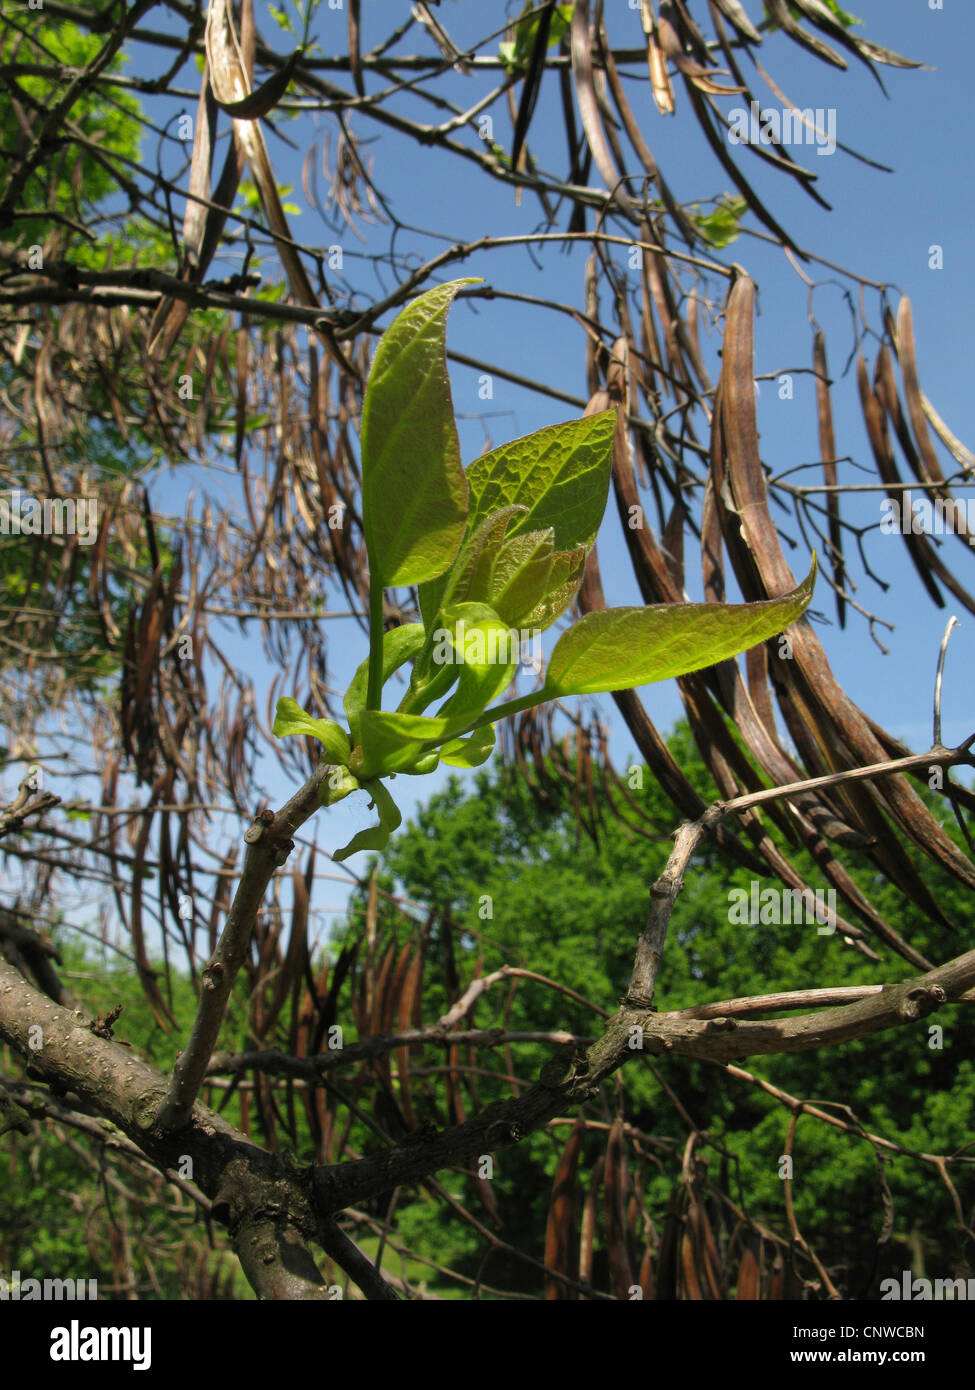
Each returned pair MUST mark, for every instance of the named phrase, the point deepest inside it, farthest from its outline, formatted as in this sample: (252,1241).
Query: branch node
(921,1001)
(258,825)
(212,975)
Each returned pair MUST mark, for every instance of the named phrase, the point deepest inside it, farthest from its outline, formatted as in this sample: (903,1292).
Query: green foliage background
(570,910)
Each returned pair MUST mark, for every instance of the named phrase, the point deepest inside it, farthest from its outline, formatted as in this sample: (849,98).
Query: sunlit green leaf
(281,17)
(414,495)
(290,718)
(560,474)
(424,765)
(469,752)
(469,576)
(624,647)
(439,667)
(338,784)
(390,741)
(845,18)
(489,650)
(520,579)
(517,52)
(721,227)
(565,576)
(377,836)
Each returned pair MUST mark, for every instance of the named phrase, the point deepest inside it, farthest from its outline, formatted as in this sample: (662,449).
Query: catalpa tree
(256,395)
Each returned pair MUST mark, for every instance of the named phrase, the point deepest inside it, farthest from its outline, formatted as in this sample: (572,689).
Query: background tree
(172,349)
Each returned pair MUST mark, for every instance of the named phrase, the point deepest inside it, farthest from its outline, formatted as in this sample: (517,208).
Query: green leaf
(469,576)
(428,685)
(531,585)
(391,742)
(555,479)
(441,664)
(425,765)
(489,651)
(414,495)
(565,576)
(469,752)
(338,784)
(377,836)
(469,613)
(400,644)
(846,19)
(624,647)
(517,53)
(499,152)
(520,579)
(290,718)
(560,474)
(721,227)
(271,293)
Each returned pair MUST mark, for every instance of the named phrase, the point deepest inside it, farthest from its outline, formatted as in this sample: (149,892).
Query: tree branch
(269,845)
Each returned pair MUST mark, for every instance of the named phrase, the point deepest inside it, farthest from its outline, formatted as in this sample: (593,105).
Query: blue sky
(881,226)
